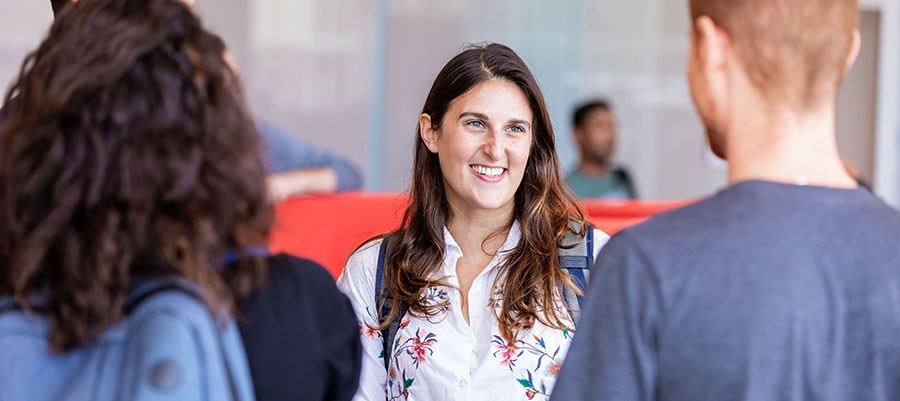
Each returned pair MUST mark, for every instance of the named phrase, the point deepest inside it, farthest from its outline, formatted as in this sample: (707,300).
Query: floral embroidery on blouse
(446,356)
(508,355)
(437,296)
(417,348)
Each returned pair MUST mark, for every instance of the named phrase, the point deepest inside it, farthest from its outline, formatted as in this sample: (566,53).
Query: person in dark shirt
(301,338)
(786,284)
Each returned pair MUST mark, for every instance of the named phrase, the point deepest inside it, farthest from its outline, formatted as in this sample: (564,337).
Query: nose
(493,145)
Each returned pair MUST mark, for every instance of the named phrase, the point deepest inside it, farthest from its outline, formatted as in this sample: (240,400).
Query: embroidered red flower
(506,354)
(368,331)
(420,348)
(530,393)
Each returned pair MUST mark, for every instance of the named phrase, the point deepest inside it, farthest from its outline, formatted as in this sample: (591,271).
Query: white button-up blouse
(445,358)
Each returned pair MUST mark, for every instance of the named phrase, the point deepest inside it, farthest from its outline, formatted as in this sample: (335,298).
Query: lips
(489,172)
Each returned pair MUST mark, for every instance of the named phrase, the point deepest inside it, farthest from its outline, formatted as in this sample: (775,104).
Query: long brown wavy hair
(126,149)
(544,207)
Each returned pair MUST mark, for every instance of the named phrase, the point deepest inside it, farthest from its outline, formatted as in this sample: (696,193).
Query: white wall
(22,26)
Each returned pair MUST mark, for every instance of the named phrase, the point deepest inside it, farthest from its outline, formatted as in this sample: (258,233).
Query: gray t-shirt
(765,292)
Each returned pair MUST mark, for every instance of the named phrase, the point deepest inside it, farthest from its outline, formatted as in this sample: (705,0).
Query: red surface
(327,229)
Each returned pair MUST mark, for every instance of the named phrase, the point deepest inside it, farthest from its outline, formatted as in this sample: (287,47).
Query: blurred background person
(595,176)
(298,167)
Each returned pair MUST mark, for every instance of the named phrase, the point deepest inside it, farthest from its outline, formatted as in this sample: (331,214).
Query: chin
(492,203)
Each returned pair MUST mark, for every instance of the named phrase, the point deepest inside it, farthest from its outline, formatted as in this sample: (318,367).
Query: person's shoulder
(289,274)
(284,264)
(621,172)
(694,221)
(358,276)
(600,237)
(365,258)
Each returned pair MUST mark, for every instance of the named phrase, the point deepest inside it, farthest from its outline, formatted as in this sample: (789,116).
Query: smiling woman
(472,278)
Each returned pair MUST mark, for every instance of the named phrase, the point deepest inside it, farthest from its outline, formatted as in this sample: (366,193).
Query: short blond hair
(794,51)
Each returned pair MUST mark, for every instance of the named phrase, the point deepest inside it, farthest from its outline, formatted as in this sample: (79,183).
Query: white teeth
(488,171)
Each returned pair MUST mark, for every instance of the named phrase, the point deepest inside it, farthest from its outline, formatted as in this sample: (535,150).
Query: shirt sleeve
(357,281)
(600,240)
(286,152)
(614,351)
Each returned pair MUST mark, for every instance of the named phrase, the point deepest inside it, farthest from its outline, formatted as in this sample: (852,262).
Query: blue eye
(516,128)
(476,124)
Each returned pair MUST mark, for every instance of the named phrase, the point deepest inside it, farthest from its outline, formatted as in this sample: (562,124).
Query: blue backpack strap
(8,303)
(145,287)
(384,300)
(37,303)
(379,271)
(576,256)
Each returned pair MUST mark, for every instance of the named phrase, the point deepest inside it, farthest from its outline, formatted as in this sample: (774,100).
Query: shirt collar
(452,251)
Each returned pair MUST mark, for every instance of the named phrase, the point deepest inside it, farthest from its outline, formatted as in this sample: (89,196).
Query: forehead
(497,98)
(599,114)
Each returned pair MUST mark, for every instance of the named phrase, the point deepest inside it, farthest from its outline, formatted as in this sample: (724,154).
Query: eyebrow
(485,117)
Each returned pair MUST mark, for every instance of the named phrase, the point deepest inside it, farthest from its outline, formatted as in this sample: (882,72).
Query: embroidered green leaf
(408,382)
(566,334)
(525,383)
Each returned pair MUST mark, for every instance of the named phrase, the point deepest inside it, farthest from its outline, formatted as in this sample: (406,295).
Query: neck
(787,147)
(471,230)
(593,168)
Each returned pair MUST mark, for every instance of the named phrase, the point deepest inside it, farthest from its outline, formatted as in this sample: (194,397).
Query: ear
(712,44)
(854,51)
(428,133)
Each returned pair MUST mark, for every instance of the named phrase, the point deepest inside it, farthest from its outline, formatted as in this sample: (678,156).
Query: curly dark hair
(126,149)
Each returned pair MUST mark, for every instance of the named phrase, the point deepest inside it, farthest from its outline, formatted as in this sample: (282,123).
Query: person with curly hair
(127,151)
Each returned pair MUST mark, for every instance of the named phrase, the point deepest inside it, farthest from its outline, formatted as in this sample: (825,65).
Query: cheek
(521,157)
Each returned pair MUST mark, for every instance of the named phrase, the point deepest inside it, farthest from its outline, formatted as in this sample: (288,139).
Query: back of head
(126,149)
(794,51)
